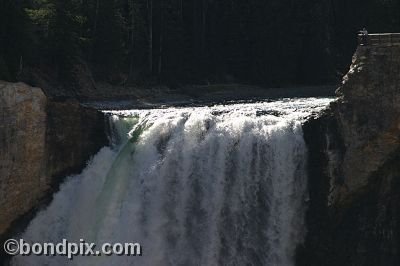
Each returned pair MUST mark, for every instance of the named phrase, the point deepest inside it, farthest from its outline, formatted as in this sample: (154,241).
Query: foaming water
(222,185)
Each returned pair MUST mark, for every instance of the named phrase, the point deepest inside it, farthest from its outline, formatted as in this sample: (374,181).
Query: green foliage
(41,16)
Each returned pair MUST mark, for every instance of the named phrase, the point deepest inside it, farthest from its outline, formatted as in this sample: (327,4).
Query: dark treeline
(265,42)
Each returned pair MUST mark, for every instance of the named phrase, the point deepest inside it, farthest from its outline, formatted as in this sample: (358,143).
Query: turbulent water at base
(221,185)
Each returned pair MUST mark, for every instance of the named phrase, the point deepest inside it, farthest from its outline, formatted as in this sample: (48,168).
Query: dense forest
(174,42)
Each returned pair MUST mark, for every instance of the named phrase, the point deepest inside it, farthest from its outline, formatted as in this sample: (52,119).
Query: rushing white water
(222,185)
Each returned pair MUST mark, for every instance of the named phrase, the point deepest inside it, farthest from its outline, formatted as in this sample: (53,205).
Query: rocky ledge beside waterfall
(354,167)
(41,141)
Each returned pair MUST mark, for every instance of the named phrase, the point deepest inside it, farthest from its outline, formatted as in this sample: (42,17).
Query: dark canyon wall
(41,141)
(354,167)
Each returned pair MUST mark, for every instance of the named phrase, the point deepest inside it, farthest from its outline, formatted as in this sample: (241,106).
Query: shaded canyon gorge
(285,182)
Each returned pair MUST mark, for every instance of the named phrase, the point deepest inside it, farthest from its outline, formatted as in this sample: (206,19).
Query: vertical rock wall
(22,150)
(41,141)
(354,214)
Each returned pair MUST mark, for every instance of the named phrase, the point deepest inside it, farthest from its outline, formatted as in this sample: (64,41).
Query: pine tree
(13,39)
(60,25)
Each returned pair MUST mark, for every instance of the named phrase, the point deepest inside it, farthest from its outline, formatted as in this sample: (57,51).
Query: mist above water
(222,185)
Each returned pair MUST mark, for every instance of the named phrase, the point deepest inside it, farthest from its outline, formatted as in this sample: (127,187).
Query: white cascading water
(221,185)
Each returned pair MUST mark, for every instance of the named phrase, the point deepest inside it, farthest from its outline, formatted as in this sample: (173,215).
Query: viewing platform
(379,39)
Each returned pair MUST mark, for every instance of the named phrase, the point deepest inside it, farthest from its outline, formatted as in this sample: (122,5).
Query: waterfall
(220,185)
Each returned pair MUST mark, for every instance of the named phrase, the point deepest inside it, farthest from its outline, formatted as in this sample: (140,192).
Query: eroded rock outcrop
(354,167)
(41,141)
(22,150)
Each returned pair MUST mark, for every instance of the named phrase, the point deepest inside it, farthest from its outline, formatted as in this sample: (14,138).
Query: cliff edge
(354,167)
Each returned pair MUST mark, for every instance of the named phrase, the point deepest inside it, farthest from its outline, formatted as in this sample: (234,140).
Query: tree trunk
(203,29)
(132,29)
(181,9)
(160,50)
(160,54)
(95,18)
(150,18)
(96,15)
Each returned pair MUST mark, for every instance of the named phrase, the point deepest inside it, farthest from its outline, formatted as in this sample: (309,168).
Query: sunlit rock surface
(40,141)
(22,150)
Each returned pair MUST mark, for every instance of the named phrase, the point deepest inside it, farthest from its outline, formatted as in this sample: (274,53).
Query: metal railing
(379,39)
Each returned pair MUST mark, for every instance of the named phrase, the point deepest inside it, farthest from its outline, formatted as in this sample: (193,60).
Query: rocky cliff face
(22,150)
(354,166)
(40,141)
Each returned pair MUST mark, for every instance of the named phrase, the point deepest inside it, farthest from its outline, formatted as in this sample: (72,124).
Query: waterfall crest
(221,185)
